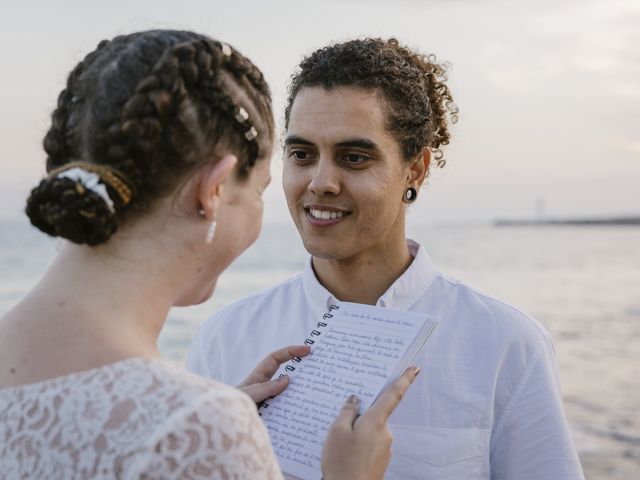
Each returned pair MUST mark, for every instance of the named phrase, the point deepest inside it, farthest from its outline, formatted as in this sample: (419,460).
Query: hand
(359,448)
(258,385)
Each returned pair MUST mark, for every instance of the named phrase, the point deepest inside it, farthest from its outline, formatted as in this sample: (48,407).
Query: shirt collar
(318,297)
(403,293)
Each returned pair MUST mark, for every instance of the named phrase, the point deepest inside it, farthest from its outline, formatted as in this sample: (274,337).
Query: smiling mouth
(321,214)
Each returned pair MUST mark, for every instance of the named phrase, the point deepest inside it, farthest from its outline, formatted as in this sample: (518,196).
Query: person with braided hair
(366,121)
(157,157)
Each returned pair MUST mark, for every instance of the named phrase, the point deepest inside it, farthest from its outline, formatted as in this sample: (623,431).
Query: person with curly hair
(366,121)
(158,154)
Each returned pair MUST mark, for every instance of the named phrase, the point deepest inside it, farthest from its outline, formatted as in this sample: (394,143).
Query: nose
(326,178)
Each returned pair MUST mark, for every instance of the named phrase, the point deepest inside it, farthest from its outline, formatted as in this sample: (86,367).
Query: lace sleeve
(222,437)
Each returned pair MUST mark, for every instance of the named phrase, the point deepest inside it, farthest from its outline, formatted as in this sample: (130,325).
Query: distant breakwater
(614,221)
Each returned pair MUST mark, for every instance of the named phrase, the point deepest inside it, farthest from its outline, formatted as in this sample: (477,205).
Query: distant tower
(540,214)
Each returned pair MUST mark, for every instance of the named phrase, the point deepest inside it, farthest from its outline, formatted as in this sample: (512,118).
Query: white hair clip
(226,50)
(242,115)
(91,181)
(251,133)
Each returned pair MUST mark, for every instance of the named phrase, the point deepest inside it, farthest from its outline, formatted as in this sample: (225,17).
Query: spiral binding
(310,340)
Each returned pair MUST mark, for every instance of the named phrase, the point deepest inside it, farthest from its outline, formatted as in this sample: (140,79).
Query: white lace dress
(132,419)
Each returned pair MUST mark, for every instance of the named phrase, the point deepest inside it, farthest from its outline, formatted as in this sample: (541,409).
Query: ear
(211,184)
(419,168)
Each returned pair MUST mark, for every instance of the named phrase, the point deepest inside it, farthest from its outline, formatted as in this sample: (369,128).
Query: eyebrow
(363,143)
(358,143)
(294,139)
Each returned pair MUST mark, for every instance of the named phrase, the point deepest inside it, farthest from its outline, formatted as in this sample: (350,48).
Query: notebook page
(354,352)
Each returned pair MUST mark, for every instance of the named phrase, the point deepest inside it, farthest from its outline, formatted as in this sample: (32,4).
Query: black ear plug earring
(410,195)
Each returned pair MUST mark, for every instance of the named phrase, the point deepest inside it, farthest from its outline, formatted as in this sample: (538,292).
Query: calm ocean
(582,283)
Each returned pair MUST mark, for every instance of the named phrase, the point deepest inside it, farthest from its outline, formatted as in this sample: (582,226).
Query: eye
(300,156)
(356,159)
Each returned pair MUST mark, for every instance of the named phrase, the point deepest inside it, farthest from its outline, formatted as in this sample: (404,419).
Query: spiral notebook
(355,348)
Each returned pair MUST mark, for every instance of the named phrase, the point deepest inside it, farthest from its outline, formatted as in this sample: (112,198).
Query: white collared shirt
(487,404)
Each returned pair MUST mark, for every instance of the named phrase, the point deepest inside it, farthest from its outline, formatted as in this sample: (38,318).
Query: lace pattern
(132,419)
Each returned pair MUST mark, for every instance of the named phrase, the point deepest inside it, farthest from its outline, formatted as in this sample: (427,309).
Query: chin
(324,249)
(195,298)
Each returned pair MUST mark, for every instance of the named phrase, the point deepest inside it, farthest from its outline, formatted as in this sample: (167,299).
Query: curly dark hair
(419,103)
(145,109)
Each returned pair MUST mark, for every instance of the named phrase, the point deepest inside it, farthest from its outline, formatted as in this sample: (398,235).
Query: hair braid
(171,99)
(242,69)
(141,130)
(211,89)
(148,107)
(242,66)
(59,142)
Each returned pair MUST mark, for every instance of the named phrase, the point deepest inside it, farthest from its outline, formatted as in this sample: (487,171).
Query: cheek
(380,203)
(379,208)
(394,191)
(293,183)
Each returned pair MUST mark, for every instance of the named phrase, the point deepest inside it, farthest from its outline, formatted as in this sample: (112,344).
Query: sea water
(582,283)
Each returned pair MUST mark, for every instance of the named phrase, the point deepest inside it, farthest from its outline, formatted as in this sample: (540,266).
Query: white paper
(360,350)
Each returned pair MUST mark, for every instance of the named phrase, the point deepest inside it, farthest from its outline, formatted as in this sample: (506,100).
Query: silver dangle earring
(212,231)
(410,195)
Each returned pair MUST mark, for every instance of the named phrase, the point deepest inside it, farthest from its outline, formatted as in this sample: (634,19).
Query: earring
(212,228)
(410,195)
(212,231)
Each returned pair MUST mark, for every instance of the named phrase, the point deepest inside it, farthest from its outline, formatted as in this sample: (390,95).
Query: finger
(348,413)
(269,364)
(391,397)
(261,391)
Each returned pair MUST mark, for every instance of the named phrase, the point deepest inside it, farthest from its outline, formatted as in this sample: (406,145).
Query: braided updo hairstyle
(140,112)
(419,104)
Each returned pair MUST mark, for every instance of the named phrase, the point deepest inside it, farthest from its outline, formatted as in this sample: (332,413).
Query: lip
(317,222)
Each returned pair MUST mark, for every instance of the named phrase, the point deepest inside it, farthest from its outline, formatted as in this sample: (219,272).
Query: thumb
(348,413)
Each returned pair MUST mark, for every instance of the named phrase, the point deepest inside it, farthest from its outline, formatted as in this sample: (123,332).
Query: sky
(548,91)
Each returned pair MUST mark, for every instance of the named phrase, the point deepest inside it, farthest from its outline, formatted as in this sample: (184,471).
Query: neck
(102,302)
(94,306)
(363,278)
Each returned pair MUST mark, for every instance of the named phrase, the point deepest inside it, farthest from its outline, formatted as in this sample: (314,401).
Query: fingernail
(353,398)
(282,378)
(416,371)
